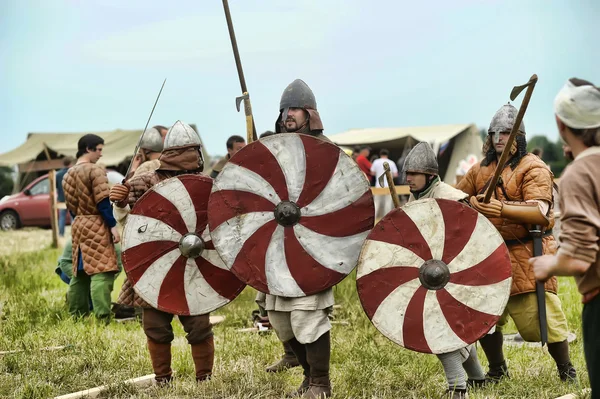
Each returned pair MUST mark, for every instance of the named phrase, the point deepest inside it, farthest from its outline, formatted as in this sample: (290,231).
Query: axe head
(238,100)
(382,178)
(518,89)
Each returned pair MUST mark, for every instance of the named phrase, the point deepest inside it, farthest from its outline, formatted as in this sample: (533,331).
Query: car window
(41,187)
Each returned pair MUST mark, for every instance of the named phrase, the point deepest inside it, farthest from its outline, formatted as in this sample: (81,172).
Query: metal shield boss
(289,213)
(168,253)
(434,276)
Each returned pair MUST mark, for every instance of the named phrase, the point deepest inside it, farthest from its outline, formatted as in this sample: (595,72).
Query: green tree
(552,153)
(6,181)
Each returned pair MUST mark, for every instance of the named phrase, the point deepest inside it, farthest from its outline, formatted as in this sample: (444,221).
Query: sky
(90,66)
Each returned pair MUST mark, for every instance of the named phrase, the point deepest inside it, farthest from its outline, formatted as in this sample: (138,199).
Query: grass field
(364,363)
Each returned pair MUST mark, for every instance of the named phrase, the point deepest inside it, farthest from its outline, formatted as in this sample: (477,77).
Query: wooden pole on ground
(140,382)
(53,222)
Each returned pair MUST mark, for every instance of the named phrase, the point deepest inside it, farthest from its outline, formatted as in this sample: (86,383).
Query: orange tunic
(530,180)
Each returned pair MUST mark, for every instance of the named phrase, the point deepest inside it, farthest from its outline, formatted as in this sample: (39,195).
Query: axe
(250,127)
(513,133)
(387,175)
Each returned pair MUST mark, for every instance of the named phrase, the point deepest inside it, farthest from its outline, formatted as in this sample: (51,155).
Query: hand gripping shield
(434,276)
(167,251)
(289,213)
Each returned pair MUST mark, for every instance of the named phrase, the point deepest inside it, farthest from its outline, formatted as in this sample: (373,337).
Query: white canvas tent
(452,143)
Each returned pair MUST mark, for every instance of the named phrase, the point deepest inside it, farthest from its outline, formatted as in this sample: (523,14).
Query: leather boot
(160,354)
(204,357)
(492,346)
(287,361)
(299,351)
(317,355)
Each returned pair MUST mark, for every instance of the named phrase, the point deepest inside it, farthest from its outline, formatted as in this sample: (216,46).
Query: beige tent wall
(467,143)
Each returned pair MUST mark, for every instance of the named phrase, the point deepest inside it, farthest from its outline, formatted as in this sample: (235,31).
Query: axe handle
(250,128)
(391,186)
(513,135)
(240,70)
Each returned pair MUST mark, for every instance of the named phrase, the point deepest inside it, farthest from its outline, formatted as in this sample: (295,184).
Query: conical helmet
(181,134)
(152,140)
(421,159)
(297,95)
(504,119)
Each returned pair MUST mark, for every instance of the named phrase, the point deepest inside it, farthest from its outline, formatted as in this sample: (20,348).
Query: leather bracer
(524,212)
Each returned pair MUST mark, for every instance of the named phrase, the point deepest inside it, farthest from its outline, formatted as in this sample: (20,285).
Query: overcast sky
(85,66)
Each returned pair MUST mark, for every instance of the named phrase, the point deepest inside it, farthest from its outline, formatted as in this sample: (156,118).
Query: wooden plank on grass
(49,348)
(140,382)
(575,395)
(216,319)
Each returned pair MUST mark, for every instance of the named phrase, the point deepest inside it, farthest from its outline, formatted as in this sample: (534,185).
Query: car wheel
(9,220)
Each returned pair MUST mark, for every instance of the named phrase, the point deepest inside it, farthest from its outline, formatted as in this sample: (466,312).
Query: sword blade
(137,147)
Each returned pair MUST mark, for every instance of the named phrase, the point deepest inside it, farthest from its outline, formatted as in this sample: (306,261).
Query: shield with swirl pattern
(289,213)
(434,276)
(168,253)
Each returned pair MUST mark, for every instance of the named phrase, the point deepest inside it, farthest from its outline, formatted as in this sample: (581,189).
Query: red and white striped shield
(434,276)
(289,214)
(168,254)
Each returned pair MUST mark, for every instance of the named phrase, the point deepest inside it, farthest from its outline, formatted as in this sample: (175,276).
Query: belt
(526,239)
(587,297)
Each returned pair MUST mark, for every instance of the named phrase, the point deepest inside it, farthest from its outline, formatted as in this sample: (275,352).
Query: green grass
(364,363)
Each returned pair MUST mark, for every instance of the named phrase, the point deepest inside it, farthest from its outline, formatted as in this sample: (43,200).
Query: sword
(540,290)
(137,147)
(250,128)
(388,176)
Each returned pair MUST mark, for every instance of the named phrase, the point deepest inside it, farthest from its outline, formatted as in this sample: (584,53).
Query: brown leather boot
(287,361)
(160,354)
(204,357)
(317,355)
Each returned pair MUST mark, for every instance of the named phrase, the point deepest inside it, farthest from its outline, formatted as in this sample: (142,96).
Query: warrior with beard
(522,198)
(303,323)
(181,155)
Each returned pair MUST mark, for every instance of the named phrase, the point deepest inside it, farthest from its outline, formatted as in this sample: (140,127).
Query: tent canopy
(452,143)
(387,137)
(118,146)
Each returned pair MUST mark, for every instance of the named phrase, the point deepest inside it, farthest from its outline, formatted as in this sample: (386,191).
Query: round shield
(289,213)
(434,276)
(167,251)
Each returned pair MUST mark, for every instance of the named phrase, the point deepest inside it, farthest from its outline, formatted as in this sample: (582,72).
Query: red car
(31,207)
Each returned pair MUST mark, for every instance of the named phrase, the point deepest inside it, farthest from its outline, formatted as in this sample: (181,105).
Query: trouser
(522,308)
(98,287)
(591,343)
(157,326)
(304,325)
(62,221)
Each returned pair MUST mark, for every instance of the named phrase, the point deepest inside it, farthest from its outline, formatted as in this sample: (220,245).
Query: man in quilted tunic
(523,198)
(303,323)
(93,231)
(577,109)
(181,154)
(421,169)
